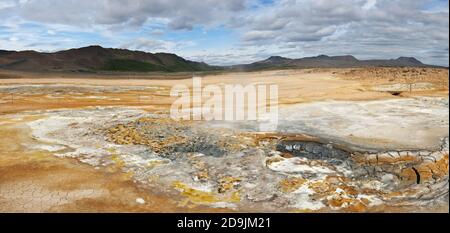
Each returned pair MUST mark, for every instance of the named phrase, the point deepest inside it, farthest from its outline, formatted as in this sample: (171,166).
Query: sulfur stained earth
(232,169)
(351,146)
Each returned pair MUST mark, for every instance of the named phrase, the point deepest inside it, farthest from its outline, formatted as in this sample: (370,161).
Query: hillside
(324,61)
(96,58)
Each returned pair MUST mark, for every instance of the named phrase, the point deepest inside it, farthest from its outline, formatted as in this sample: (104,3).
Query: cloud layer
(233,31)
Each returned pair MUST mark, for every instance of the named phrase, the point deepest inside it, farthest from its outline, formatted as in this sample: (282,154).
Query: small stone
(140,201)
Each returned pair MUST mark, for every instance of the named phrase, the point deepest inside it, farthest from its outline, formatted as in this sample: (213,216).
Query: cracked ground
(362,142)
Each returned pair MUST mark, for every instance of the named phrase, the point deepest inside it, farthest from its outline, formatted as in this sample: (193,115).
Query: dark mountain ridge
(324,61)
(97,58)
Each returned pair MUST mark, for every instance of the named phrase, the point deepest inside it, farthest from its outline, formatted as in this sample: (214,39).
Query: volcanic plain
(348,140)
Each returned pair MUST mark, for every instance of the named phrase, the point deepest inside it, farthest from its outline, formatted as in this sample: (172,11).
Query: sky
(226,32)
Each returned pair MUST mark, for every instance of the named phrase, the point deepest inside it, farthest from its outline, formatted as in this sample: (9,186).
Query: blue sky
(233,31)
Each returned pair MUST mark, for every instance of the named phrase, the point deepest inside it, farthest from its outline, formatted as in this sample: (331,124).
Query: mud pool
(326,156)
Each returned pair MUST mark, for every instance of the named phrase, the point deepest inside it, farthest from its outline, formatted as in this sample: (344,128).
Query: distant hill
(96,58)
(324,61)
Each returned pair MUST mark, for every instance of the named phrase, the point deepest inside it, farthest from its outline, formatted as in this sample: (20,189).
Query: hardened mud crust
(336,176)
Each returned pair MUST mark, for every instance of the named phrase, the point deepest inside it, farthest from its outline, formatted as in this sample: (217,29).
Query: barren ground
(87,143)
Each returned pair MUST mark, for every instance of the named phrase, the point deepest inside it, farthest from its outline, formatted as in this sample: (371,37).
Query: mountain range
(96,58)
(324,61)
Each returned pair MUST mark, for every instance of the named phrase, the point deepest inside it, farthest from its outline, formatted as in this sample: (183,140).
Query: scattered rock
(140,201)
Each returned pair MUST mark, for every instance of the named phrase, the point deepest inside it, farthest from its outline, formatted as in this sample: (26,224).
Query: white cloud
(369,28)
(369,4)
(365,28)
(149,45)
(181,14)
(7,4)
